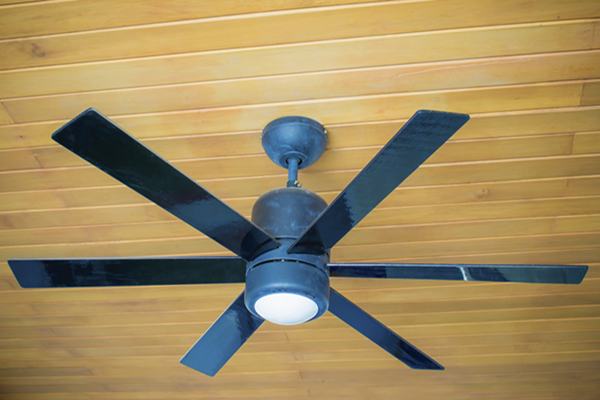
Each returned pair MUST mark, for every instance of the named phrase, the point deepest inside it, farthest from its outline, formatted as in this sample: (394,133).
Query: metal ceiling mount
(294,143)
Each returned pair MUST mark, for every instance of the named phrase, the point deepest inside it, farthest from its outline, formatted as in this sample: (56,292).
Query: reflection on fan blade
(418,139)
(36,273)
(381,335)
(101,142)
(570,274)
(225,336)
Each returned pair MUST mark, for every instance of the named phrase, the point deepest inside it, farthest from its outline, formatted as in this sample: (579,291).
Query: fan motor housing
(285,213)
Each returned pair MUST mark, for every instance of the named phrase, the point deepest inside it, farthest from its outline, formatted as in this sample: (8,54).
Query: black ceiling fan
(283,255)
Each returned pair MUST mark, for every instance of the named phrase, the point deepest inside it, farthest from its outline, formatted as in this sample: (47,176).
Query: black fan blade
(569,274)
(102,143)
(225,336)
(378,333)
(418,139)
(35,273)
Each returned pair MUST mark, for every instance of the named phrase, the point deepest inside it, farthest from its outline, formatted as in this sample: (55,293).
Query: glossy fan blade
(225,336)
(378,333)
(569,274)
(102,143)
(35,273)
(418,139)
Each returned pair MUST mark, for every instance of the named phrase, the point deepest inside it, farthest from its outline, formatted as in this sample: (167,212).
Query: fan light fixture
(286,308)
(283,253)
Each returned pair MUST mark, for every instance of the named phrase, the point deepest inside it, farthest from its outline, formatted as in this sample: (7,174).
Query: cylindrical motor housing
(286,212)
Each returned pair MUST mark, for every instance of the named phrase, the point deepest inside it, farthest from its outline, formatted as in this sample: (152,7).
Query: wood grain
(365,20)
(273,89)
(198,81)
(331,55)
(54,17)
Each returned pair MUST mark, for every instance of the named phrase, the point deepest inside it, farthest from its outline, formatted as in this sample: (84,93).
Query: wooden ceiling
(198,80)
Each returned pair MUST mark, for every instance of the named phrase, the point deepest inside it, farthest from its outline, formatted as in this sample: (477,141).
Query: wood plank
(591,93)
(180,343)
(386,394)
(482,370)
(586,256)
(345,110)
(56,17)
(361,108)
(483,211)
(473,230)
(258,393)
(27,135)
(251,168)
(584,143)
(354,82)
(240,363)
(307,374)
(393,394)
(415,291)
(359,52)
(529,123)
(470,210)
(5,118)
(446,381)
(448,354)
(69,312)
(441,248)
(189,149)
(458,311)
(70,198)
(525,123)
(518,390)
(373,376)
(449,346)
(453,329)
(336,23)
(453,353)
(16,2)
(360,235)
(154,230)
(463,193)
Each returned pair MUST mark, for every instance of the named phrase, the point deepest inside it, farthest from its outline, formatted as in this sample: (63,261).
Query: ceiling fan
(284,252)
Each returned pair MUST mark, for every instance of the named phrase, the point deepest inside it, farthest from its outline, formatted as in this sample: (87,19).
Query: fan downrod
(294,143)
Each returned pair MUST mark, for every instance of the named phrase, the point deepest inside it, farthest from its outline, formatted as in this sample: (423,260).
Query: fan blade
(225,336)
(569,274)
(378,333)
(418,139)
(36,273)
(102,143)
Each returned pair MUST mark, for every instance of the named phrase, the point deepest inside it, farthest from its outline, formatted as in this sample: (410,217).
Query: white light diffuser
(286,308)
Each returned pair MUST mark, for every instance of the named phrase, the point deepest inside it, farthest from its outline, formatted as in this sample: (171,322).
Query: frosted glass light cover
(286,308)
